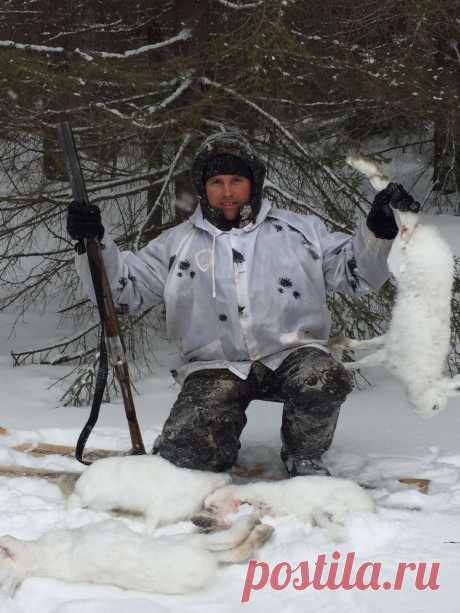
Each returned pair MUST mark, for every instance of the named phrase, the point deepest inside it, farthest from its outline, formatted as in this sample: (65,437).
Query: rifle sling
(102,371)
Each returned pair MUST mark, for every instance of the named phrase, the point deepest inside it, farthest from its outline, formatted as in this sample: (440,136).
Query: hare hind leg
(226,539)
(246,550)
(377,358)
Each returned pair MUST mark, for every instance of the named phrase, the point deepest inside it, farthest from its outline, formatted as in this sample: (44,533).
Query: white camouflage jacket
(255,293)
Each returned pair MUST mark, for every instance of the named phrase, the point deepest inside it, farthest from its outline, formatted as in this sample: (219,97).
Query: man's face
(228,193)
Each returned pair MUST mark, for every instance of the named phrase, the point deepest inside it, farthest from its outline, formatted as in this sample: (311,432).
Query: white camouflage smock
(254,293)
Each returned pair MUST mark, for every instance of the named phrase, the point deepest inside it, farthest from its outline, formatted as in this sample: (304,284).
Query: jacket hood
(200,221)
(236,145)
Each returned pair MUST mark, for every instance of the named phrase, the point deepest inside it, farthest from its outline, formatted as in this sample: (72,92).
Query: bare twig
(151,214)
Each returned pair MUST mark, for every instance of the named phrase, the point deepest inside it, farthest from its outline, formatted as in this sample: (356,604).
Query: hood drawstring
(200,222)
(213,272)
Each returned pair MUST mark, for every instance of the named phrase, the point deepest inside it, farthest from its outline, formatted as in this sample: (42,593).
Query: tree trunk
(446,155)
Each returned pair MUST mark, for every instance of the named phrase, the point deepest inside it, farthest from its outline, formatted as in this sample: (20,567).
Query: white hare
(109,552)
(323,501)
(417,342)
(146,484)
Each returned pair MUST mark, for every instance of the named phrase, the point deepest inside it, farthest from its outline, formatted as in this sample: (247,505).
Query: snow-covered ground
(378,440)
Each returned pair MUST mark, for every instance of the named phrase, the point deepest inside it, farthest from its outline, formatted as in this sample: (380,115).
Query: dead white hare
(416,345)
(147,484)
(109,552)
(315,500)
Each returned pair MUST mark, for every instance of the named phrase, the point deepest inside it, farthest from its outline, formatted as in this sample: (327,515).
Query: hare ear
(6,553)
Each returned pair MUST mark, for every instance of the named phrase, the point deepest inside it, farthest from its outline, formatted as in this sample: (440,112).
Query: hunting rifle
(111,341)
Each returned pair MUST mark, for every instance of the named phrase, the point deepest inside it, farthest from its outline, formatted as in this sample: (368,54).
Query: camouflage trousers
(204,427)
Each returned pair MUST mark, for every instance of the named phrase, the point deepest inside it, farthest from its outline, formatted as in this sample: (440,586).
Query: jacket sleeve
(137,279)
(353,264)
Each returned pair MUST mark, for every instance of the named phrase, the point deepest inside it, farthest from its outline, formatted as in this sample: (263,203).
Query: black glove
(84,221)
(381,220)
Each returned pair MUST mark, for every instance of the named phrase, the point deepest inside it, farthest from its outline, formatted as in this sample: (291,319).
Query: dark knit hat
(228,153)
(226,164)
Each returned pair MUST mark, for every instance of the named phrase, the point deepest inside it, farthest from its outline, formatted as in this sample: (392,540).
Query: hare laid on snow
(323,501)
(147,484)
(109,552)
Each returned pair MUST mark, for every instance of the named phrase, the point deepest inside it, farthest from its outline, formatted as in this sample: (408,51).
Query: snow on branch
(269,185)
(117,113)
(85,107)
(185,84)
(21,12)
(233,5)
(184,34)
(10,44)
(167,101)
(215,124)
(84,55)
(271,118)
(168,177)
(290,137)
(137,124)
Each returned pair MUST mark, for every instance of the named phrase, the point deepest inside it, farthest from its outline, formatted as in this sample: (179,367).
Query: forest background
(143,83)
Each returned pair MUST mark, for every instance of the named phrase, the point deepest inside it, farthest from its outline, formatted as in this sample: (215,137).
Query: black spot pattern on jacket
(171,262)
(122,282)
(184,265)
(223,317)
(285,282)
(241,309)
(278,227)
(238,257)
(296,294)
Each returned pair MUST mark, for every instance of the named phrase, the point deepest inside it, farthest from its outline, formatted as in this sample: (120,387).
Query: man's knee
(316,374)
(213,388)
(202,439)
(336,381)
(198,450)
